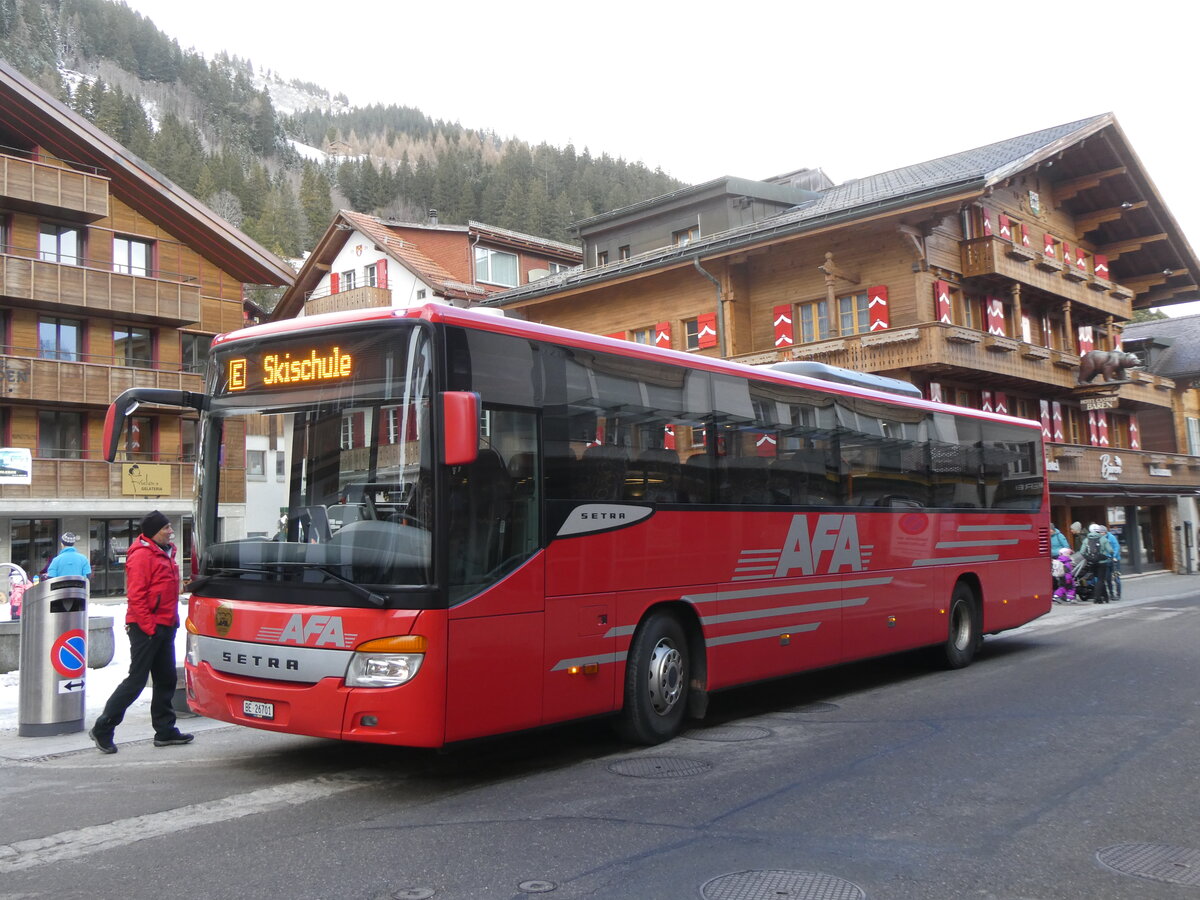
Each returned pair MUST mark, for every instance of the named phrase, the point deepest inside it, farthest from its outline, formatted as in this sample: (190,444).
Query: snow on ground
(307,152)
(100,683)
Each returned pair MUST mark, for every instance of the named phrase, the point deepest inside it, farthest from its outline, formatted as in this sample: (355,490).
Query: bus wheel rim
(962,627)
(666,677)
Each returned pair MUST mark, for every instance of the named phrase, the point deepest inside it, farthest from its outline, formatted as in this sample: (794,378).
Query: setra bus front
(326,620)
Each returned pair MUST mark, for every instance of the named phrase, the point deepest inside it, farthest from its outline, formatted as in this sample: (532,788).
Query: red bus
(493,526)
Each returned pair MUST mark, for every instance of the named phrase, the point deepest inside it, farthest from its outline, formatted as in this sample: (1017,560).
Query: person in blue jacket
(1058,541)
(69,560)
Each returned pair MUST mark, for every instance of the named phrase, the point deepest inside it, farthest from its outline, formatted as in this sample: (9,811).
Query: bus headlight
(386,662)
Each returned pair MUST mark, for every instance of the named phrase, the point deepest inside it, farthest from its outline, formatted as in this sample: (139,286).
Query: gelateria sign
(145,480)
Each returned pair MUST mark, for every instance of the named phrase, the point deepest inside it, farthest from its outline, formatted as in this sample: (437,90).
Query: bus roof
(495,321)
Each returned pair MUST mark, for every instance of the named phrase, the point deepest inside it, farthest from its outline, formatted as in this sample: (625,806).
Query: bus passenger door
(579,668)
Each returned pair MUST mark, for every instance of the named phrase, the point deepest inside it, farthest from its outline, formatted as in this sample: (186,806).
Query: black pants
(149,657)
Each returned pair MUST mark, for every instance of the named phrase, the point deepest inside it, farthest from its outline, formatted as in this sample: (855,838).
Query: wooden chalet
(982,278)
(110,277)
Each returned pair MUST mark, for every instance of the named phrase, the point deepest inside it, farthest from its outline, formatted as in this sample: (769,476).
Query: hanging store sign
(1094,403)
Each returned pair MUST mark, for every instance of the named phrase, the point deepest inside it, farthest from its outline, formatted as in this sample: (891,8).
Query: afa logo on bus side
(831,546)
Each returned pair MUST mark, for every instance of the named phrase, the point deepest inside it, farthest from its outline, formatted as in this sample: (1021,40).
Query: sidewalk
(1159,587)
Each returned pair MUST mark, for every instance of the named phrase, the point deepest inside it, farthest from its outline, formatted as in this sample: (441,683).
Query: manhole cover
(1175,865)
(728,733)
(658,767)
(773,884)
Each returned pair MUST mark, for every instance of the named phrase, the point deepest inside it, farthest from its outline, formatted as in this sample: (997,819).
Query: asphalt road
(1062,764)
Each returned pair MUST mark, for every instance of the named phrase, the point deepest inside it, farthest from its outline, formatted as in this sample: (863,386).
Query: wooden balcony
(936,350)
(54,190)
(34,282)
(994,256)
(85,383)
(1136,470)
(89,479)
(357,298)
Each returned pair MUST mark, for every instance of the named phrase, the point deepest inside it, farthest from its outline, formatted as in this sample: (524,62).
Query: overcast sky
(752,89)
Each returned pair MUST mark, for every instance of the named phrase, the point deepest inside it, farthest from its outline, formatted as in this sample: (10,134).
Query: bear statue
(1109,363)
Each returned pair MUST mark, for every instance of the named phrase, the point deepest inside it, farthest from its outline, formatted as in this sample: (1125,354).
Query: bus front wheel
(964,629)
(656,681)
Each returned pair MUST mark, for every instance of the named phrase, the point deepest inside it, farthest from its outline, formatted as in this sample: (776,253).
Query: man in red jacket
(152,584)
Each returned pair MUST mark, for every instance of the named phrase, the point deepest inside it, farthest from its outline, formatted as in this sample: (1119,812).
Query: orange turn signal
(401,643)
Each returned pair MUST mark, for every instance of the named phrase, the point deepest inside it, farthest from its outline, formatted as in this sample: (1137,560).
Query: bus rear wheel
(656,681)
(964,629)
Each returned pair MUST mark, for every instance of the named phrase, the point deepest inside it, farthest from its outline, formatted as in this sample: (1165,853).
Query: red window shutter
(1135,436)
(986,401)
(1002,403)
(941,293)
(1024,235)
(785,336)
(1066,253)
(1100,266)
(987,222)
(765,444)
(662,335)
(995,316)
(1050,244)
(1056,410)
(1081,260)
(1102,428)
(669,437)
(877,305)
(619,335)
(1047,434)
(1005,227)
(935,392)
(333,282)
(706,330)
(1086,341)
(1093,430)
(1118,342)
(381,274)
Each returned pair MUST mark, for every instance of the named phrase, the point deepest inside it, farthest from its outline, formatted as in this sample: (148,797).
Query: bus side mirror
(460,427)
(128,401)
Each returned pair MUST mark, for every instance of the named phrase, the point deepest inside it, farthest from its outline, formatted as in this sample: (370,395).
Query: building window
(193,350)
(623,252)
(557,267)
(347,281)
(280,468)
(187,439)
(1193,436)
(256,465)
(642,336)
(132,256)
(691,334)
(139,438)
(814,321)
(495,267)
(854,316)
(685,236)
(60,339)
(60,244)
(602,257)
(370,275)
(133,345)
(60,435)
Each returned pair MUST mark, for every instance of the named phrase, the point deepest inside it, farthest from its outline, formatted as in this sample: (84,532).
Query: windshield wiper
(279,565)
(223,570)
(368,595)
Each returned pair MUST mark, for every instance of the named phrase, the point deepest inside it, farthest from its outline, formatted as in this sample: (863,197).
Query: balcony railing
(85,383)
(355,298)
(1137,470)
(996,256)
(95,290)
(40,187)
(934,348)
(89,479)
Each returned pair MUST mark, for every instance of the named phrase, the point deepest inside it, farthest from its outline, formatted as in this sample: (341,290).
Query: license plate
(256,709)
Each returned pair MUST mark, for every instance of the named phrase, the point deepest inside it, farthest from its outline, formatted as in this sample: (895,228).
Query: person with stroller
(1095,571)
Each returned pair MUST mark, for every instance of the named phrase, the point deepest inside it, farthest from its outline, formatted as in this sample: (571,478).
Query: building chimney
(433,217)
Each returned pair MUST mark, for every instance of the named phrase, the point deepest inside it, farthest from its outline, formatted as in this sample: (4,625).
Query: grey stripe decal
(946,545)
(783,611)
(788,589)
(956,559)
(601,660)
(995,527)
(759,635)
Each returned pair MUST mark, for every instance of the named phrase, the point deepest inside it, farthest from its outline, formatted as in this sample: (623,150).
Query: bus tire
(656,681)
(965,633)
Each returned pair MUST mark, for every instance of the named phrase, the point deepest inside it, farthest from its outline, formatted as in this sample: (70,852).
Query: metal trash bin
(53,662)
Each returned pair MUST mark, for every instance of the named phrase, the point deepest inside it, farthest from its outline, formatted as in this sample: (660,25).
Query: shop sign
(1052,465)
(1094,403)
(16,465)
(1110,466)
(145,480)
(1160,471)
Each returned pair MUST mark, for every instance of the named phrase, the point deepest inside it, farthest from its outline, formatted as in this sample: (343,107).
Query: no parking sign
(68,655)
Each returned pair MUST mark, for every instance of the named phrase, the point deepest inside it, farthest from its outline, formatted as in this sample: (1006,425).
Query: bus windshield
(353,490)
